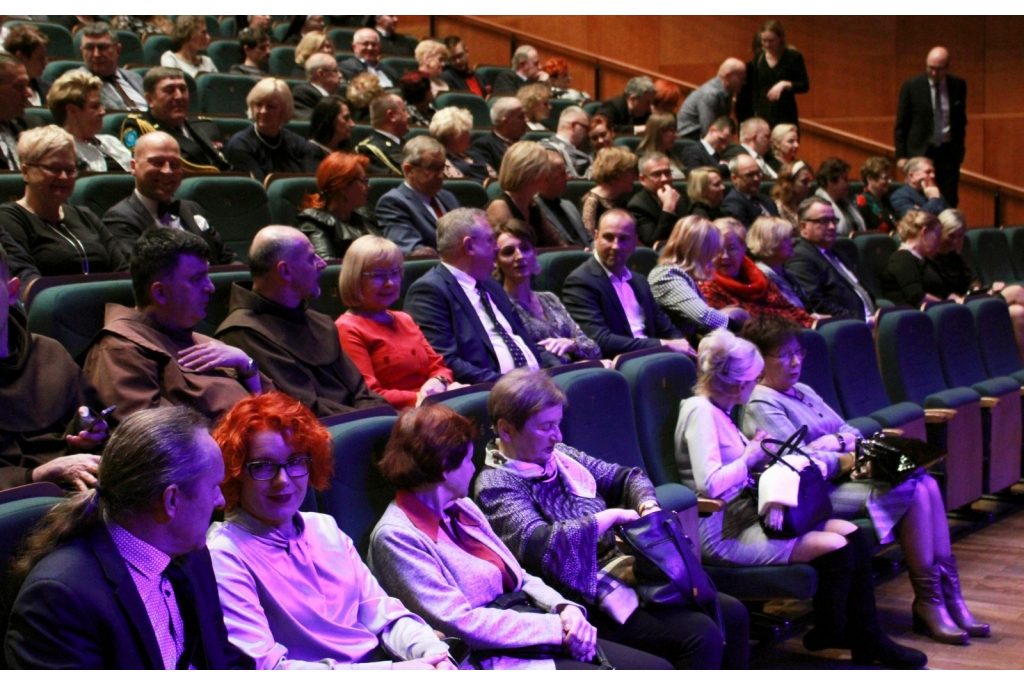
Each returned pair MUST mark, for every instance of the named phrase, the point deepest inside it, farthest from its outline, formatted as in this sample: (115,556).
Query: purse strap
(790,445)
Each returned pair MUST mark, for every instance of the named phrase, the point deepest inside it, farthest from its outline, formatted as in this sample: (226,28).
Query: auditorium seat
(402,65)
(282,61)
(341,37)
(225,54)
(73,314)
(471,402)
(817,372)
(643,260)
(576,189)
(299,127)
(990,255)
(847,248)
(329,302)
(1015,236)
(61,45)
(379,185)
(873,251)
(41,112)
(468,193)
(536,136)
(223,93)
(112,124)
(278,31)
(555,267)
(995,337)
(474,104)
(12,186)
(153,47)
(413,270)
(237,206)
(557,107)
(628,141)
(229,126)
(100,192)
(131,49)
(55,69)
(228,27)
(489,74)
(285,193)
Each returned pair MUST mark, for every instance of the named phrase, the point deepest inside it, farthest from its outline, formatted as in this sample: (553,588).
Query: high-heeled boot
(834,571)
(929,608)
(955,603)
(869,643)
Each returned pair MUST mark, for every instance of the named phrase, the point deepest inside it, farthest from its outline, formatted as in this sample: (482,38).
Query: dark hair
(24,39)
(830,171)
(451,41)
(186,26)
(322,121)
(250,37)
(158,74)
(725,122)
(414,86)
(426,443)
(874,167)
(156,254)
(769,333)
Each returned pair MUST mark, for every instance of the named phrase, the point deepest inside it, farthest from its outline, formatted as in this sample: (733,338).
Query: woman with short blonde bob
(706,190)
(267,146)
(74,102)
(189,38)
(524,173)
(311,43)
(687,259)
(390,350)
(614,171)
(431,56)
(451,127)
(785,142)
(770,243)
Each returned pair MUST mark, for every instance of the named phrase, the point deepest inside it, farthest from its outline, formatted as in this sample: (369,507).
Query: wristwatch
(249,371)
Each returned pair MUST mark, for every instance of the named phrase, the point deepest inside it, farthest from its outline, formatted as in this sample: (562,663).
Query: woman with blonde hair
(660,136)
(792,186)
(337,214)
(451,127)
(614,171)
(706,190)
(536,99)
(687,259)
(189,37)
(785,142)
(910,276)
(770,244)
(363,89)
(311,43)
(431,56)
(74,102)
(524,173)
(386,345)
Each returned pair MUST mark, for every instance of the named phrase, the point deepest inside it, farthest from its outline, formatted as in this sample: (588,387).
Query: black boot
(835,570)
(869,643)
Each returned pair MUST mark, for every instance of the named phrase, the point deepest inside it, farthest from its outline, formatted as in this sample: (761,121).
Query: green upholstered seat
(73,314)
(237,206)
(468,193)
(102,191)
(154,46)
(281,61)
(285,196)
(225,54)
(475,104)
(414,269)
(555,267)
(222,93)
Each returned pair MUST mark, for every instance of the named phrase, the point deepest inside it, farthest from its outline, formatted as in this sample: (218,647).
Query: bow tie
(164,208)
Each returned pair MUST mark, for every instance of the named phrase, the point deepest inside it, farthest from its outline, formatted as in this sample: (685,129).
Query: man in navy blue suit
(745,201)
(464,313)
(409,213)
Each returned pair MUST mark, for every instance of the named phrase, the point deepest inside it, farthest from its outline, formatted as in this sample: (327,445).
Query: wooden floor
(991,564)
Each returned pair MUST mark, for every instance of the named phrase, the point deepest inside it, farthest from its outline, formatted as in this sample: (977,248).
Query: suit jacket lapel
(621,325)
(469,314)
(418,205)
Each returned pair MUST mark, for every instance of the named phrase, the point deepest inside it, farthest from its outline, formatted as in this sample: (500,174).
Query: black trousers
(947,160)
(621,657)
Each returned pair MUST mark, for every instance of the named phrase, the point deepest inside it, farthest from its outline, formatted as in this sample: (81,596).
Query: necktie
(168,209)
(764,210)
(863,294)
(9,146)
(457,532)
(518,358)
(128,102)
(940,123)
(436,206)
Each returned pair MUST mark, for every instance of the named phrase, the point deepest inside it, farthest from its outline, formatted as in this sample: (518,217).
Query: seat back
(1015,236)
(228,27)
(847,248)
(575,190)
(817,368)
(112,123)
(56,68)
(229,126)
(329,302)
(402,65)
(299,127)
(220,300)
(643,260)
(358,494)
(131,49)
(873,251)
(957,342)
(223,93)
(414,269)
(998,346)
(468,193)
(226,54)
(851,349)
(73,314)
(12,186)
(489,74)
(154,46)
(473,405)
(281,61)
(380,186)
(990,254)
(342,38)
(908,357)
(284,196)
(474,104)
(237,206)
(555,267)
(102,191)
(658,383)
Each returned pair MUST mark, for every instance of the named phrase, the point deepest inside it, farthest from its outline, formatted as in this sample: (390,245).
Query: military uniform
(385,155)
(199,148)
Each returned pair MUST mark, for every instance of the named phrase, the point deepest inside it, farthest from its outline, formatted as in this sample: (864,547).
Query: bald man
(711,101)
(931,121)
(297,347)
(156,166)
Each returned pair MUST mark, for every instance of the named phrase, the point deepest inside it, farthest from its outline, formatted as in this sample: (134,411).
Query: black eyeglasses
(788,357)
(268,470)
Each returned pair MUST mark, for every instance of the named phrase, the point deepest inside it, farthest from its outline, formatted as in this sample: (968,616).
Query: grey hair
(805,206)
(419,146)
(501,107)
(97,29)
(724,363)
(651,157)
(910,166)
(520,55)
(569,112)
(639,86)
(456,225)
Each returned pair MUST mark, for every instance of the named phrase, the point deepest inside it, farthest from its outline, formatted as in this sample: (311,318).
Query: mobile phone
(102,416)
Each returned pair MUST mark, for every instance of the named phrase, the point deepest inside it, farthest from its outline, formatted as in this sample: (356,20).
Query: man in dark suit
(156,166)
(464,313)
(509,120)
(924,130)
(628,113)
(827,280)
(525,69)
(613,304)
(122,89)
(710,150)
(14,94)
(198,139)
(133,588)
(920,191)
(409,214)
(657,206)
(458,73)
(366,45)
(745,201)
(383,147)
(322,80)
(561,213)
(392,42)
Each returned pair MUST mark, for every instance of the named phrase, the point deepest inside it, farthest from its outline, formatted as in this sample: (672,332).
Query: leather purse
(668,571)
(895,458)
(813,502)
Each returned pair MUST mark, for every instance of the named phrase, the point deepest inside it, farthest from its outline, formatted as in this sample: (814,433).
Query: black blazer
(397,44)
(694,156)
(19,126)
(508,83)
(353,66)
(590,298)
(79,609)
(741,207)
(492,148)
(915,119)
(617,112)
(438,305)
(306,97)
(827,291)
(457,80)
(385,155)
(127,220)
(652,222)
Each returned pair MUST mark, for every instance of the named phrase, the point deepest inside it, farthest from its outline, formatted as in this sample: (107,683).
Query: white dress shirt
(634,312)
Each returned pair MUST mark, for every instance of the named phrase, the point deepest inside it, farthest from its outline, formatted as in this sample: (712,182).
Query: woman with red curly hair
(294,591)
(560,80)
(337,214)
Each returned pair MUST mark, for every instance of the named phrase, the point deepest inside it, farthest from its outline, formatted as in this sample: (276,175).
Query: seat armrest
(892,432)
(989,402)
(939,415)
(707,505)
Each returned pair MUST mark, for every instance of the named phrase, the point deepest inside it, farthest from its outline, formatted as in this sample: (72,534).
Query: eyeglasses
(268,470)
(97,47)
(788,357)
(824,221)
(70,172)
(431,168)
(751,174)
(380,277)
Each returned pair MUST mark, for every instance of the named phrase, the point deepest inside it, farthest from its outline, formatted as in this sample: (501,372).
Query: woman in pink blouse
(395,359)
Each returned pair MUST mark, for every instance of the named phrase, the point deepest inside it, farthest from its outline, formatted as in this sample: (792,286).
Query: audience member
(459,73)
(156,167)
(431,56)
(614,171)
(627,113)
(774,77)
(657,206)
(688,259)
(256,48)
(792,187)
(828,282)
(451,127)
(337,213)
(330,125)
(785,142)
(392,42)
(119,578)
(509,121)
(525,69)
(712,101)
(464,313)
(168,100)
(409,214)
(560,81)
(188,39)
(383,147)
(423,549)
(577,509)
(542,313)
(74,102)
(294,345)
(524,172)
(536,99)
(745,201)
(710,149)
(920,191)
(834,187)
(101,49)
(363,89)
(706,190)
(569,139)
(57,239)
(313,43)
(737,282)
(559,212)
(302,25)
(28,44)
(14,95)
(143,25)
(151,355)
(660,136)
(756,141)
(366,46)
(271,560)
(322,80)
(386,345)
(612,303)
(419,97)
(873,201)
(668,97)
(770,245)
(910,277)
(715,460)
(600,134)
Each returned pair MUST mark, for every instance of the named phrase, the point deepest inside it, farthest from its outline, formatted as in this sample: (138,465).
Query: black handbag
(895,458)
(813,503)
(668,571)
